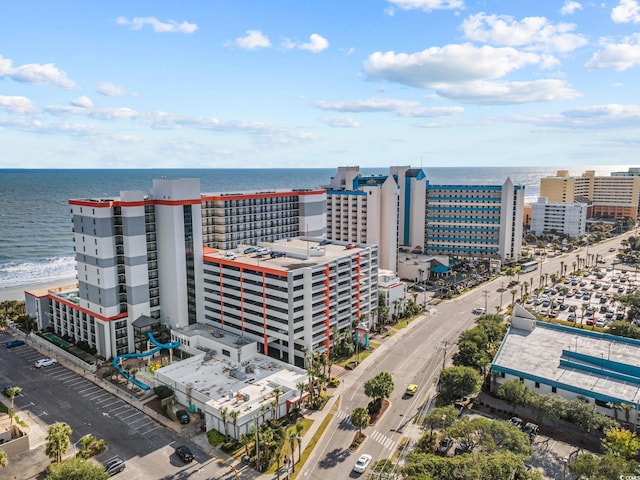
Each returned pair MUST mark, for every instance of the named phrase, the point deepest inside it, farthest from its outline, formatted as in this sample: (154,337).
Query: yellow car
(412,389)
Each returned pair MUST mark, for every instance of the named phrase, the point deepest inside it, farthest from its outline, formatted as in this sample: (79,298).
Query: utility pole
(486,293)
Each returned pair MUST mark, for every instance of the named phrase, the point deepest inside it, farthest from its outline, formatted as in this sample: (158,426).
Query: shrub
(215,437)
(163,391)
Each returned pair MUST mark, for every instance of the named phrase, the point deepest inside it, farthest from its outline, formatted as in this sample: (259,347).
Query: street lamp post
(75,450)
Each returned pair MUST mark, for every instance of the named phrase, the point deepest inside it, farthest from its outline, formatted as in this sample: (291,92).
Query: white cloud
(34,73)
(341,122)
(536,33)
(83,102)
(159,27)
(368,105)
(404,108)
(503,93)
(316,43)
(451,63)
(428,5)
(618,56)
(570,7)
(111,90)
(595,117)
(254,39)
(16,104)
(627,11)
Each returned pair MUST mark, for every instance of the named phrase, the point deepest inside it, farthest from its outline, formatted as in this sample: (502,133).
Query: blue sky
(302,83)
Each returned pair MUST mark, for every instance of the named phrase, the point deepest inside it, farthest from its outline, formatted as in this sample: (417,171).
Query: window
(537,384)
(521,380)
(226,353)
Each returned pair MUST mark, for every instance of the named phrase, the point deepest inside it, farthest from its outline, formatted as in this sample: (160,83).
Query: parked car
(45,362)
(183,417)
(278,254)
(530,429)
(444,446)
(460,407)
(516,421)
(464,447)
(362,463)
(250,250)
(230,256)
(184,453)
(349,246)
(14,343)
(114,466)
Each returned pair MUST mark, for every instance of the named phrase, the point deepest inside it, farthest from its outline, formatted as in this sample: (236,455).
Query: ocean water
(36,243)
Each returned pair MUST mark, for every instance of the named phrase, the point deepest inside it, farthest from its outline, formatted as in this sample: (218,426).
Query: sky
(303,83)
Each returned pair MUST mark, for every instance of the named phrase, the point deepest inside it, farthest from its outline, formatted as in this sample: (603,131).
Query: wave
(14,274)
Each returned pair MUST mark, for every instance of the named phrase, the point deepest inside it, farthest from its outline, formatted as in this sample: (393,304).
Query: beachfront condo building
(475,221)
(556,218)
(386,210)
(142,256)
(401,210)
(608,197)
(294,302)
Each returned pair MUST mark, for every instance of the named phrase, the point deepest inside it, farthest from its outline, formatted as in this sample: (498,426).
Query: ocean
(36,242)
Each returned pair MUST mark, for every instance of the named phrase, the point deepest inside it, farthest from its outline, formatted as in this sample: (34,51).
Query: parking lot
(588,299)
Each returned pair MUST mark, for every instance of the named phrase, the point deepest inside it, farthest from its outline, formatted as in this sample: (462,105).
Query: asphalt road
(415,355)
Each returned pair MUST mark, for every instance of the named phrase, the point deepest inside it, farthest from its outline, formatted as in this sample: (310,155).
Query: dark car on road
(14,343)
(183,416)
(184,453)
(114,466)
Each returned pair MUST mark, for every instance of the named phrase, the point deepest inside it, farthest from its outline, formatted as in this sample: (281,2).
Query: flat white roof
(299,254)
(591,363)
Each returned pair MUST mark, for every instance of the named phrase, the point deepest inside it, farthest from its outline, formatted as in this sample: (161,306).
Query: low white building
(226,378)
(392,291)
(573,363)
(558,218)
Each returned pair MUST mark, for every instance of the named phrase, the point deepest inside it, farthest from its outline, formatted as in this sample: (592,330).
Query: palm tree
(234,414)
(292,437)
(513,296)
(276,393)
(274,409)
(11,393)
(3,459)
(263,411)
(58,440)
(299,429)
(301,388)
(223,413)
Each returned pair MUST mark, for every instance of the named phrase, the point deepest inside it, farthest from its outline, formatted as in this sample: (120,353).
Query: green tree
(551,407)
(514,393)
(457,382)
(58,440)
(76,469)
(379,388)
(11,393)
(589,467)
(4,460)
(624,329)
(442,417)
(224,411)
(469,355)
(234,414)
(360,418)
(620,441)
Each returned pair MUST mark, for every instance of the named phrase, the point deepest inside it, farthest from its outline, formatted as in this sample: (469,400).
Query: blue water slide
(159,346)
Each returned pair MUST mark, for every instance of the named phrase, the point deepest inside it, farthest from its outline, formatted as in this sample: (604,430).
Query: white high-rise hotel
(161,256)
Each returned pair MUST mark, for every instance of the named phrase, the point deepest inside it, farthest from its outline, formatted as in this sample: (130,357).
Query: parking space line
(98,395)
(91,386)
(124,405)
(107,397)
(124,418)
(115,400)
(149,431)
(136,421)
(72,383)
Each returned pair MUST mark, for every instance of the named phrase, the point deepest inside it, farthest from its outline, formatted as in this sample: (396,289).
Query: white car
(45,362)
(230,256)
(362,463)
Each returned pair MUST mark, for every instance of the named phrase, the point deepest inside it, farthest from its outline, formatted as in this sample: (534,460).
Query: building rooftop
(221,383)
(298,253)
(593,364)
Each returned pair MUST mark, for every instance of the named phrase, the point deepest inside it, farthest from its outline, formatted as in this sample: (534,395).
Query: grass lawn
(311,445)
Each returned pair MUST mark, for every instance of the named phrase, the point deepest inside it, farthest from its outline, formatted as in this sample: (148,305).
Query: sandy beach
(17,293)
